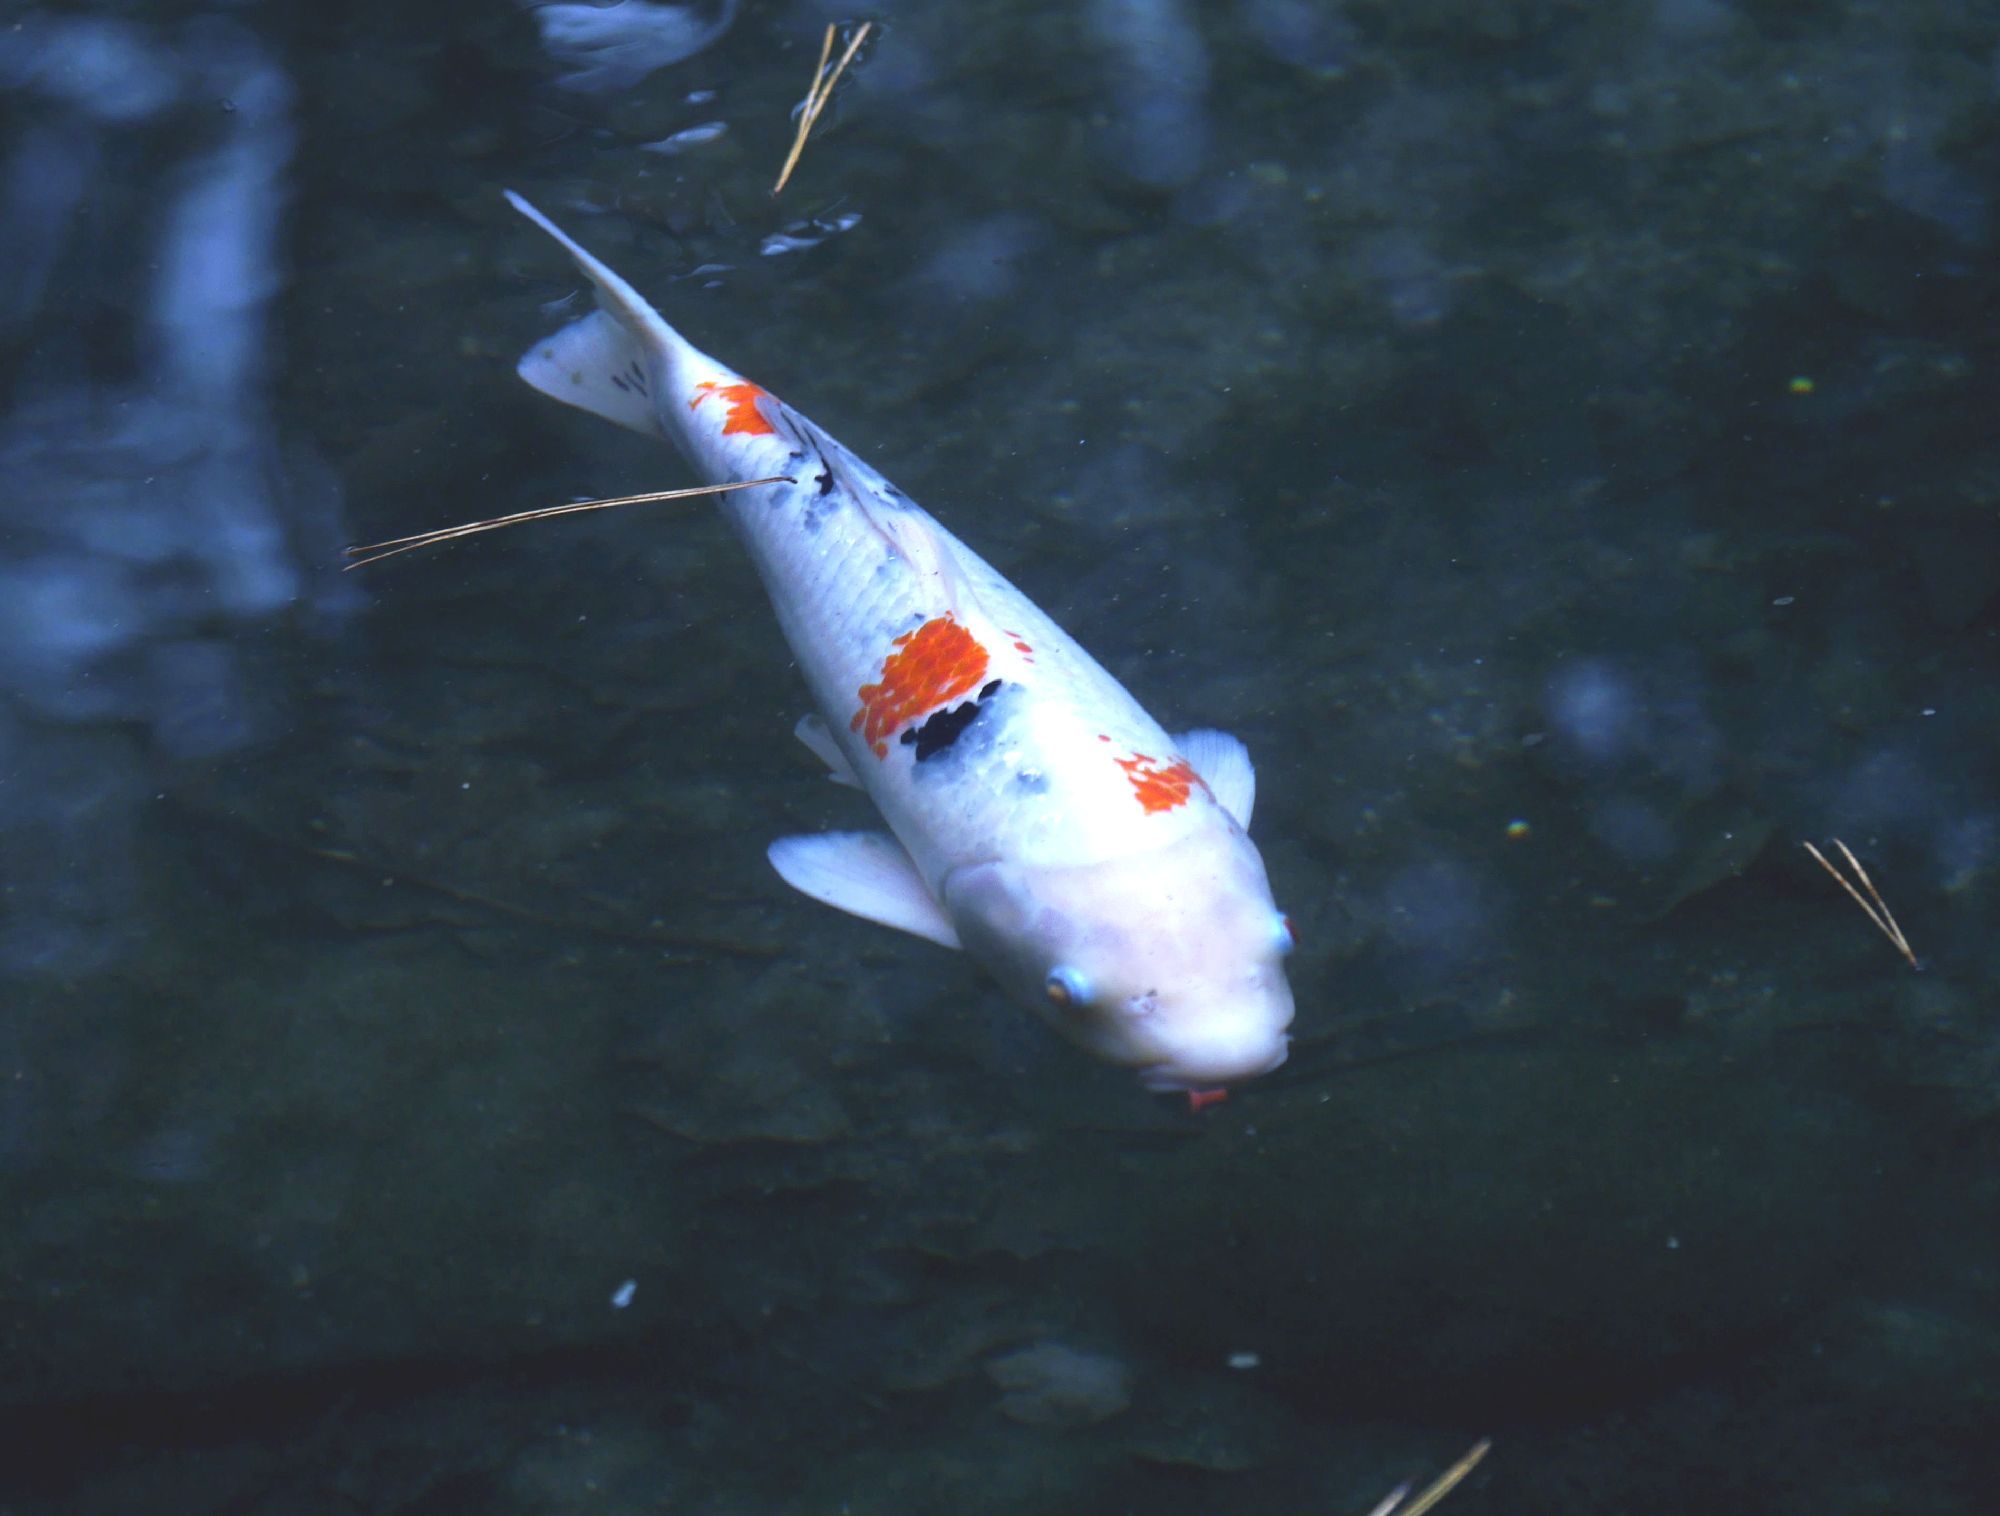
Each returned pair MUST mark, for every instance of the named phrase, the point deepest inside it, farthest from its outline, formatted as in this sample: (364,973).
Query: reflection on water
(155,512)
(607,49)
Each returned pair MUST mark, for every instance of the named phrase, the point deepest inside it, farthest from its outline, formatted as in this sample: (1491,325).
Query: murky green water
(1558,439)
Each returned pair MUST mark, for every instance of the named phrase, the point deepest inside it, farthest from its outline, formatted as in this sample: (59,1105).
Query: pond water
(1557,438)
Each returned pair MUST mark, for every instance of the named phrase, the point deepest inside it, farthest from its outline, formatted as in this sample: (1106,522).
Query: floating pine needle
(1449,1480)
(1438,1488)
(820,93)
(1874,905)
(375,552)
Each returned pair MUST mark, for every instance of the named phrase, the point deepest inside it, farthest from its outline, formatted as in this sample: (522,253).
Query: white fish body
(1037,815)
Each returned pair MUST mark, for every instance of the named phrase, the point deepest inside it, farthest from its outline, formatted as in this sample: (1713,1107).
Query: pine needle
(1438,1488)
(819,94)
(375,552)
(1449,1480)
(1876,908)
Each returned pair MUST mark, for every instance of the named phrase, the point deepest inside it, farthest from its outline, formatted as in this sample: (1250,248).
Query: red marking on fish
(1159,789)
(932,666)
(1020,645)
(1201,1100)
(744,416)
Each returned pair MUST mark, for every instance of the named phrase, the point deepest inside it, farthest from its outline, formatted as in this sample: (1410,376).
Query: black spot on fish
(942,728)
(825,481)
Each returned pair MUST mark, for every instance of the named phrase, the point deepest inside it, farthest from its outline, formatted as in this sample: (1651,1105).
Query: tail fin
(610,361)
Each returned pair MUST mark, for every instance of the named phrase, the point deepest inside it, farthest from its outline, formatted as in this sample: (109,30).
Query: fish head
(1170,961)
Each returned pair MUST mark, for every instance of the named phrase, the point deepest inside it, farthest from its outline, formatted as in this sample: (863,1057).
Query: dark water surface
(1560,438)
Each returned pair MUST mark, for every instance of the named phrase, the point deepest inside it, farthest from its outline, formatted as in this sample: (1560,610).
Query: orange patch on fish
(1159,789)
(744,417)
(932,666)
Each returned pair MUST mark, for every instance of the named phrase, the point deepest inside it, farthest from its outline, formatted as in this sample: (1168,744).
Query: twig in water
(375,552)
(1874,905)
(820,93)
(1438,1488)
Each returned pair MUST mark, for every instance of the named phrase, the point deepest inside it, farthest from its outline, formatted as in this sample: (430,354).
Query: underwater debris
(688,137)
(1438,1488)
(1874,905)
(800,235)
(820,92)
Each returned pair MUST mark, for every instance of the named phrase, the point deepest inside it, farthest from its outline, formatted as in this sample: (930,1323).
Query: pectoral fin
(866,874)
(813,733)
(1225,767)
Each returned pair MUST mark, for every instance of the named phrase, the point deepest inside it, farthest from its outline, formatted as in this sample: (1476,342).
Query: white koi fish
(1037,816)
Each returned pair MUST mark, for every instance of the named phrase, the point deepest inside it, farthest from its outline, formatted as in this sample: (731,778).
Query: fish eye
(1067,988)
(1285,939)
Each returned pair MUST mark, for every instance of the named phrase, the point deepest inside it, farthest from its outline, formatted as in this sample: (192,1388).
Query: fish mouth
(1171,1077)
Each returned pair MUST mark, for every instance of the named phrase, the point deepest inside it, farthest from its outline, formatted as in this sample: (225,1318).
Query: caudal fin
(610,361)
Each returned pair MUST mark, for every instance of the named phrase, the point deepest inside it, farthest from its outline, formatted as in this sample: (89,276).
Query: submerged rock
(1055,1386)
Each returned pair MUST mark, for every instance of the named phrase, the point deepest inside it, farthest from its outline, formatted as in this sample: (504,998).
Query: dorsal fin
(908,529)
(1224,765)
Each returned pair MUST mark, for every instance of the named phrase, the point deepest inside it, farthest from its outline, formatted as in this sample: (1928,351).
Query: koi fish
(1037,816)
